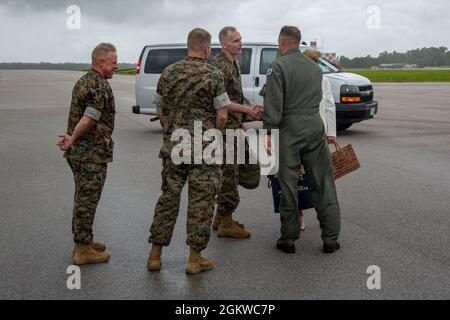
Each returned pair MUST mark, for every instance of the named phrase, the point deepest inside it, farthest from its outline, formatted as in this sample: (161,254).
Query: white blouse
(328,109)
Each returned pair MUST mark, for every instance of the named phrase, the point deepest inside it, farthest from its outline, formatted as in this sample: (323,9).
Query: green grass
(378,75)
(404,75)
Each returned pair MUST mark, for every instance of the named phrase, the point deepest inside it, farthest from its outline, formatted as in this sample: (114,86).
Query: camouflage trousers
(204,183)
(228,199)
(89,181)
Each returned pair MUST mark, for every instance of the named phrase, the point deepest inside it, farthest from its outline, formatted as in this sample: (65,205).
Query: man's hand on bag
(64,142)
(331,140)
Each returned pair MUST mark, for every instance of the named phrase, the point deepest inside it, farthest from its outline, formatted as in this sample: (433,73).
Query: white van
(353,94)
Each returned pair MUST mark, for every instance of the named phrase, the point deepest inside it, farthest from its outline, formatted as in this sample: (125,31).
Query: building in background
(330,56)
(397,66)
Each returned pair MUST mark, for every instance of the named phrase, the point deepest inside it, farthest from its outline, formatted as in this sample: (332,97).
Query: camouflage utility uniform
(229,194)
(189,90)
(88,157)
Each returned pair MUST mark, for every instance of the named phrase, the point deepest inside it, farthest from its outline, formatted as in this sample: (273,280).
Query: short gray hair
(224,33)
(291,33)
(102,50)
(198,39)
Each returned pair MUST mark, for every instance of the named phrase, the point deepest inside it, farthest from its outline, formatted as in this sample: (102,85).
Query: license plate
(372,112)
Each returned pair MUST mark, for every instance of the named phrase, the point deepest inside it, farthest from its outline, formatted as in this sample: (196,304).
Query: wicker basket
(344,161)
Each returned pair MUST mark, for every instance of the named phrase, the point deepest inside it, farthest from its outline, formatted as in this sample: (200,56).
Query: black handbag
(305,196)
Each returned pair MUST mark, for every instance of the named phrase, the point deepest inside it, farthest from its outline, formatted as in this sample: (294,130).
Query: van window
(245,58)
(159,59)
(271,54)
(327,66)
(267,57)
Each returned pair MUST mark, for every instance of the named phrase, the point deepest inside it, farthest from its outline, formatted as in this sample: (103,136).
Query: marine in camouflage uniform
(229,198)
(88,157)
(188,91)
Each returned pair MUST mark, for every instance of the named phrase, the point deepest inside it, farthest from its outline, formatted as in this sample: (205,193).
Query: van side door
(246,60)
(264,57)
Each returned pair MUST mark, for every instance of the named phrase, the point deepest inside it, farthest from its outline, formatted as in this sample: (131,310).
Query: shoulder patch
(269,72)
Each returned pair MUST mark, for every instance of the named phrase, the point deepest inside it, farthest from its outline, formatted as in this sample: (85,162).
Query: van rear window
(159,59)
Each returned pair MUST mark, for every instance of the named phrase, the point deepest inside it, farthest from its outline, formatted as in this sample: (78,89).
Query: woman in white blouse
(327,112)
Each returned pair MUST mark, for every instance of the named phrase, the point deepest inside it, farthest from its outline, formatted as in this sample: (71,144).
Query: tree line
(425,57)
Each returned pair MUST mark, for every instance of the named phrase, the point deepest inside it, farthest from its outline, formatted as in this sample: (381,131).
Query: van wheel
(342,127)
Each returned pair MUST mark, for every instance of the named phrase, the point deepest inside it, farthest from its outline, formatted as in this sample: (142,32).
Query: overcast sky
(36,30)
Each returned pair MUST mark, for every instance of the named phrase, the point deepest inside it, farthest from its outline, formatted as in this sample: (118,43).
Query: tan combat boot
(85,254)
(229,229)
(240,225)
(98,246)
(154,260)
(218,220)
(197,263)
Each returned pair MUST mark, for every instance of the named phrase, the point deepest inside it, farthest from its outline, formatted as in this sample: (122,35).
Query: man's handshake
(256,112)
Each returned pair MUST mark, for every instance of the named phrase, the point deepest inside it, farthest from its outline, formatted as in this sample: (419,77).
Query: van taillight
(138,67)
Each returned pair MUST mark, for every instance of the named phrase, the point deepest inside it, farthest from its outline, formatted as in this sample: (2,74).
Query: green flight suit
(291,104)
